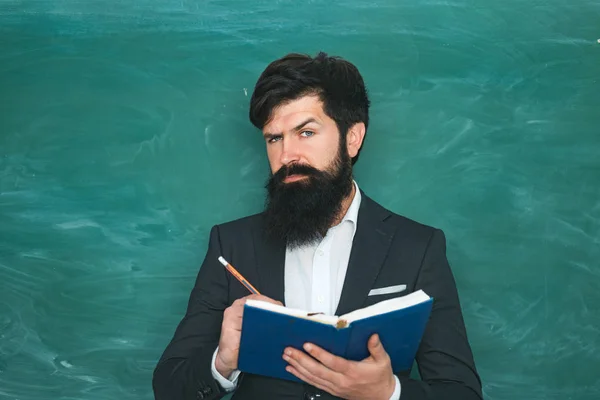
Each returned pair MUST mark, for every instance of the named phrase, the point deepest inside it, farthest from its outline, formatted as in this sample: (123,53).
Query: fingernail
(308,347)
(288,352)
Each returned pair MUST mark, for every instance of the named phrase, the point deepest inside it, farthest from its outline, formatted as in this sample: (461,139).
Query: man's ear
(354,138)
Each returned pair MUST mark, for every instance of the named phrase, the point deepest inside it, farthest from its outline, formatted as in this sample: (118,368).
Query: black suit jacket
(388,249)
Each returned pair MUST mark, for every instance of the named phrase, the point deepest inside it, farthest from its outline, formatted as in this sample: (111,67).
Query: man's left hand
(371,378)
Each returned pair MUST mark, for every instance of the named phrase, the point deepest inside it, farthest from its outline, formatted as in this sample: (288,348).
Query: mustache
(295,169)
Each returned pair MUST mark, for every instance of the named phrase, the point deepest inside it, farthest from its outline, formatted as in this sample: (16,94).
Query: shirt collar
(352,212)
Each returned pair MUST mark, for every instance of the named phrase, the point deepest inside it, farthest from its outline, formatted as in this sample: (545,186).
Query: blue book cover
(268,329)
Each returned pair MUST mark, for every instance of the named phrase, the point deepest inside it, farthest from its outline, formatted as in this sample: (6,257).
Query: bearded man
(322,245)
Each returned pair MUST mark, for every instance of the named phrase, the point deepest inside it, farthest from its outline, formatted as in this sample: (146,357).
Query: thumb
(376,348)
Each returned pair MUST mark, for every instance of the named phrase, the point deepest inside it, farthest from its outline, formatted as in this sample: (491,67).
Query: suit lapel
(270,263)
(369,248)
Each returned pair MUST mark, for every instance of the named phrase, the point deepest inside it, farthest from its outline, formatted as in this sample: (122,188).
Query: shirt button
(320,252)
(320,298)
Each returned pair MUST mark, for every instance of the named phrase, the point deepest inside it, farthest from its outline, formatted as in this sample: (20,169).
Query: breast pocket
(385,293)
(387,290)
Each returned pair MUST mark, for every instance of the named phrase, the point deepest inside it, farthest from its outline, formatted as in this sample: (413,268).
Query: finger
(232,315)
(230,339)
(311,371)
(239,302)
(235,308)
(326,386)
(331,361)
(376,348)
(234,335)
(309,366)
(256,297)
(232,324)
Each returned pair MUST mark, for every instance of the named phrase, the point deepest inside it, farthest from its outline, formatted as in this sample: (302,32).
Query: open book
(267,329)
(343,321)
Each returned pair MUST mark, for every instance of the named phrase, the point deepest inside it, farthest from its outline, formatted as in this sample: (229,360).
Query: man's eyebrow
(307,121)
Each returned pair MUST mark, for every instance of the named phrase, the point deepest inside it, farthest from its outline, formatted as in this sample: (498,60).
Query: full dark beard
(301,212)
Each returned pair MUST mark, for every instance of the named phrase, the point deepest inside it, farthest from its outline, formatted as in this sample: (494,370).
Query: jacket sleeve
(445,359)
(184,369)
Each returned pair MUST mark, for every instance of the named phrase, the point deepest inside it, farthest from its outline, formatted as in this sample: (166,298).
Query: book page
(386,306)
(326,319)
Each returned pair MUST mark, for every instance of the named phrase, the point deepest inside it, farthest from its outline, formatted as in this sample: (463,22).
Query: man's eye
(274,139)
(307,133)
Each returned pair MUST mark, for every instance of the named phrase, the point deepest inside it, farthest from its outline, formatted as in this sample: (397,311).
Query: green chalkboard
(124,137)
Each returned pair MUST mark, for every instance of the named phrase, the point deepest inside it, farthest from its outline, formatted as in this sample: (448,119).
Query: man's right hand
(226,360)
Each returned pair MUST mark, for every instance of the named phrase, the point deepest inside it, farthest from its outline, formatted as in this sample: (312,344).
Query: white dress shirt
(314,276)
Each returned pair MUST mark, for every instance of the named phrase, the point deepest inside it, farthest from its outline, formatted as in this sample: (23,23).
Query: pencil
(239,276)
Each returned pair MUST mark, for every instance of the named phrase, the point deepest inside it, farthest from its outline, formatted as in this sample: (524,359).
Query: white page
(379,308)
(386,306)
(326,319)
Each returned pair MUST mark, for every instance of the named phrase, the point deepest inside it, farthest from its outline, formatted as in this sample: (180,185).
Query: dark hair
(336,81)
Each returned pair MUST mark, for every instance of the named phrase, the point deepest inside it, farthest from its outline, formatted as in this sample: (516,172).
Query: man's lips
(294,178)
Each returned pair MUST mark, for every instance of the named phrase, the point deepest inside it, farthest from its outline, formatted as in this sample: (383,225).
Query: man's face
(311,173)
(301,133)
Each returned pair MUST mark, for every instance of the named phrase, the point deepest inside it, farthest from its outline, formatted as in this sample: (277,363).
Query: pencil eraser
(222,260)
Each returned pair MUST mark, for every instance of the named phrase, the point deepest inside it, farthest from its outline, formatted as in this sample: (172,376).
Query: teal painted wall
(124,137)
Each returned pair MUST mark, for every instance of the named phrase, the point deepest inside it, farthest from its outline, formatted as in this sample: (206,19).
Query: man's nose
(290,153)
